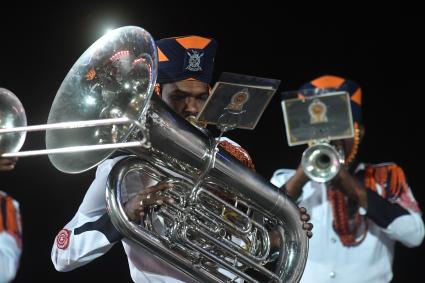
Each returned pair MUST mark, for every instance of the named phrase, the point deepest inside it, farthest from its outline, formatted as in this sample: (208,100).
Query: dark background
(379,48)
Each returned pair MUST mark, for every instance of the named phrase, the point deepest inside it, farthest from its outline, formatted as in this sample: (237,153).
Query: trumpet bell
(321,162)
(12,115)
(114,78)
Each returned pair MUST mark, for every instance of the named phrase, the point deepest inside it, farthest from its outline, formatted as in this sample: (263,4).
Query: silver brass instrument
(12,115)
(223,214)
(321,162)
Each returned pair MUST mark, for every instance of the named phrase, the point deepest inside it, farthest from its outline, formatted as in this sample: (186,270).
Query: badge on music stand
(237,101)
(312,117)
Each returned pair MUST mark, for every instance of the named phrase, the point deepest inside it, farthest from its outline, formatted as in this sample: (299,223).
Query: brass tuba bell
(12,115)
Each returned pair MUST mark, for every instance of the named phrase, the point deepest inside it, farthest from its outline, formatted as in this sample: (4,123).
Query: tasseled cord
(340,205)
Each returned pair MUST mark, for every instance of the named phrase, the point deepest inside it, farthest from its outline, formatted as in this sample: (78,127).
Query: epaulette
(389,176)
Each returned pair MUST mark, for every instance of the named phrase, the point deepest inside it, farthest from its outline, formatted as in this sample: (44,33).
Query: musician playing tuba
(184,73)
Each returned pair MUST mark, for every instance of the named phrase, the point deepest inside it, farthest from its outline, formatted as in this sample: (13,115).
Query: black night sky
(381,49)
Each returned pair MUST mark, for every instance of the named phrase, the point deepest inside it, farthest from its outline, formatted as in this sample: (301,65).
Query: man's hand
(275,237)
(294,186)
(305,217)
(136,206)
(7,164)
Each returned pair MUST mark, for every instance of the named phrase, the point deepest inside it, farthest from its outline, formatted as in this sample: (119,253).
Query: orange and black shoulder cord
(10,218)
(388,194)
(390,178)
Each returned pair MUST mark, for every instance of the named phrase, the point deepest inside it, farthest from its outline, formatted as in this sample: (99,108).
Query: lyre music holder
(237,101)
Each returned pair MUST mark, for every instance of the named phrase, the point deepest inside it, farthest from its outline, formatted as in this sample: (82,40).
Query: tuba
(223,215)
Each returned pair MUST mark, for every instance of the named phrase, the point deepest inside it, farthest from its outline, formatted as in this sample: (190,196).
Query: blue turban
(186,58)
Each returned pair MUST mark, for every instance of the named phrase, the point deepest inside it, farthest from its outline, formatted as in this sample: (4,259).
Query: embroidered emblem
(238,100)
(63,238)
(317,111)
(194,62)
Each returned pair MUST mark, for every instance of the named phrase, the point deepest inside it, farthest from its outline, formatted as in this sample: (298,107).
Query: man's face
(185,97)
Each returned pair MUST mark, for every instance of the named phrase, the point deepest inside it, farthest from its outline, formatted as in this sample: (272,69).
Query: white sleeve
(281,176)
(90,233)
(9,257)
(408,229)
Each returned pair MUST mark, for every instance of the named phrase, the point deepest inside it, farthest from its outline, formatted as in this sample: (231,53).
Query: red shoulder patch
(63,238)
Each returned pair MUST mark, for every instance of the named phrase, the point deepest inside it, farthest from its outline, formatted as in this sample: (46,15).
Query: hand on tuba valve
(136,207)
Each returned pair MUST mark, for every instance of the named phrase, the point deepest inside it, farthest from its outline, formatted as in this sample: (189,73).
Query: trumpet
(321,162)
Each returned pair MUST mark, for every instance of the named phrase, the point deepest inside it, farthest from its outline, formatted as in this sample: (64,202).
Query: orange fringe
(397,184)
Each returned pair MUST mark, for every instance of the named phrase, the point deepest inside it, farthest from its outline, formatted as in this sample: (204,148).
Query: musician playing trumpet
(359,214)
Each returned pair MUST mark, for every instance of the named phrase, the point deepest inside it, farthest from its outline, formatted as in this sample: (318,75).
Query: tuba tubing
(174,137)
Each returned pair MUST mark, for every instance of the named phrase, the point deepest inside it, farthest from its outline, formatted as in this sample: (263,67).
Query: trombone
(73,125)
